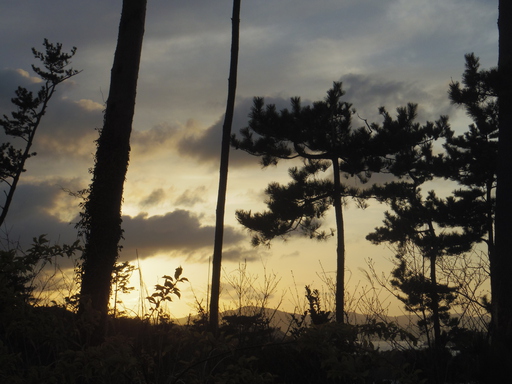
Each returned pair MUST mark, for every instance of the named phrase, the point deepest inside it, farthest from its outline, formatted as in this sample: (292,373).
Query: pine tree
(414,220)
(321,136)
(25,121)
(472,158)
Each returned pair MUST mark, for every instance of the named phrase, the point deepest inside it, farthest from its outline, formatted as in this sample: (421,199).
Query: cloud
(33,201)
(32,79)
(291,255)
(190,198)
(369,92)
(54,213)
(179,230)
(42,208)
(10,80)
(89,105)
(59,17)
(241,253)
(67,129)
(204,146)
(155,197)
(191,140)
(386,52)
(366,93)
(161,138)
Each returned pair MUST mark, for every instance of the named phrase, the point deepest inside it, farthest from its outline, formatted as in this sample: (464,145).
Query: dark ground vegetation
(41,344)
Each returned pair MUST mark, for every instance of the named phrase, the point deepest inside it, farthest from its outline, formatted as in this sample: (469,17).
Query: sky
(386,53)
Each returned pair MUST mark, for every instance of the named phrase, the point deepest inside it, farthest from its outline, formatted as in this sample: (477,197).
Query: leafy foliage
(18,269)
(472,158)
(321,135)
(120,280)
(298,206)
(416,221)
(165,293)
(321,131)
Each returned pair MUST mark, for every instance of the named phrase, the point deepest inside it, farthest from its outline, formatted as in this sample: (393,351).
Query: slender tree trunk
(30,113)
(102,216)
(434,297)
(501,262)
(223,173)
(340,244)
(490,220)
(26,154)
(490,228)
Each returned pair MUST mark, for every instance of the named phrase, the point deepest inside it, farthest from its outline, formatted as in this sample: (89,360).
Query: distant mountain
(283,320)
(278,319)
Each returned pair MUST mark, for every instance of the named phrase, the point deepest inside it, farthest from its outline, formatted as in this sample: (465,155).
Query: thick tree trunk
(340,245)
(501,262)
(223,173)
(102,217)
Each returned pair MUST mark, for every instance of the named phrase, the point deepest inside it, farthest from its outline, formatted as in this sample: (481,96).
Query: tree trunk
(223,173)
(30,111)
(501,262)
(102,216)
(340,244)
(434,297)
(21,166)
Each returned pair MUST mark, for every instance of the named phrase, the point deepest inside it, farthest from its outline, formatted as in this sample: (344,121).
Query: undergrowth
(41,343)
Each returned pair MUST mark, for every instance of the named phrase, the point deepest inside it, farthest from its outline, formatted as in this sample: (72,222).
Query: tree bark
(223,173)
(434,297)
(102,216)
(501,262)
(340,244)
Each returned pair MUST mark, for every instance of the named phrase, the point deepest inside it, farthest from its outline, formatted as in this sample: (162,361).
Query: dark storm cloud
(175,231)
